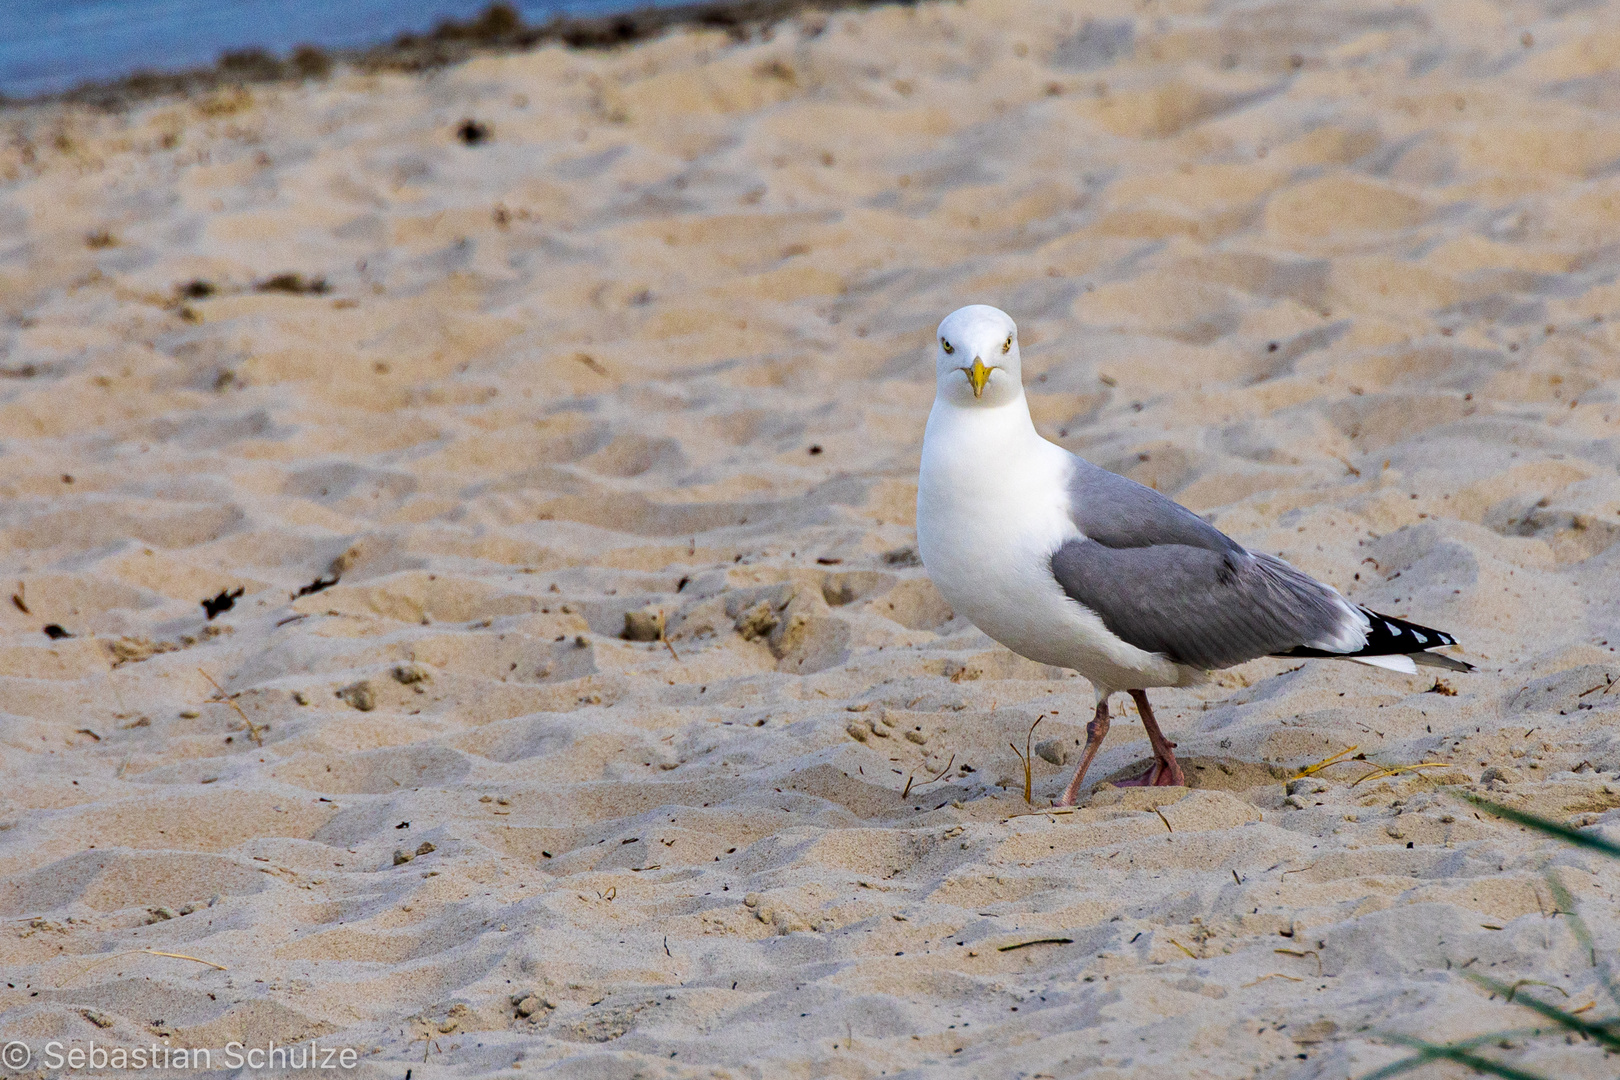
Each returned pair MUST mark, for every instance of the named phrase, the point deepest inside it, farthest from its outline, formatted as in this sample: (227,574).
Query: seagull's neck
(996,432)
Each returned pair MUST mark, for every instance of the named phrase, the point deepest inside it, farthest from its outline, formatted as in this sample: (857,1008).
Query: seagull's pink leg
(1165,771)
(1096,731)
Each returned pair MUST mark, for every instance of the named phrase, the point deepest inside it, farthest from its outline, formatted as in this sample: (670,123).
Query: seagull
(1073,566)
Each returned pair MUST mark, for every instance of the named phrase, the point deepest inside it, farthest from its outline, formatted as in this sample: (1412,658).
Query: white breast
(992,507)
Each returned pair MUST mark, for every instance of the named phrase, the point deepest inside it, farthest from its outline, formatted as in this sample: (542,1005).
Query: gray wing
(1120,513)
(1166,581)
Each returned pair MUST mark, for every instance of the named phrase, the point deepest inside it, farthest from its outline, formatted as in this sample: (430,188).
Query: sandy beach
(543,432)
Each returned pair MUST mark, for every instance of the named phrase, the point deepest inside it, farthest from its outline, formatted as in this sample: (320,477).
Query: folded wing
(1166,581)
(1205,608)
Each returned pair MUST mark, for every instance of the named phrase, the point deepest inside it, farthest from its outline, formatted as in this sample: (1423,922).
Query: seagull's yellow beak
(978,375)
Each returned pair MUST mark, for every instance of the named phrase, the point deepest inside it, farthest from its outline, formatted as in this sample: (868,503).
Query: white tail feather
(1393,661)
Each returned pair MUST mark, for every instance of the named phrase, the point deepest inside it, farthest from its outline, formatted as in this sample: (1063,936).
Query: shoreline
(499,28)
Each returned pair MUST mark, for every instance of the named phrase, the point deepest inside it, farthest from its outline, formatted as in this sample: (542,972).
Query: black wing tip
(1388,635)
(1400,635)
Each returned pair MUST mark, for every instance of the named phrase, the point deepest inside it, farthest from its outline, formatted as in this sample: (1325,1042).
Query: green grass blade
(1600,1032)
(1605,1032)
(1395,1068)
(1566,908)
(1543,825)
(1428,1051)
(1577,926)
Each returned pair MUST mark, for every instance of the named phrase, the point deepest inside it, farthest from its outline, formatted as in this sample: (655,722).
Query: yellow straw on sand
(1311,770)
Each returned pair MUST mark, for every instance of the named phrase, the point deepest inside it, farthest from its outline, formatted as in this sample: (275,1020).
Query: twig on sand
(253,729)
(1606,685)
(1395,770)
(1183,948)
(1514,989)
(183,956)
(1167,824)
(1273,975)
(1303,953)
(591,362)
(663,619)
(1037,941)
(1024,759)
(931,779)
(1311,770)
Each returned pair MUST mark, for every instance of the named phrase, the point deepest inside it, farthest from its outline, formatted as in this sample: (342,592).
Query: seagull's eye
(1006,346)
(946,346)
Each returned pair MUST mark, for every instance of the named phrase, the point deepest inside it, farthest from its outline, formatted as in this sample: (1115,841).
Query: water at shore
(52,45)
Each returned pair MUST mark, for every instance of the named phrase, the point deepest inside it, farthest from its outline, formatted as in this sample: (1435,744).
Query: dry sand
(1341,276)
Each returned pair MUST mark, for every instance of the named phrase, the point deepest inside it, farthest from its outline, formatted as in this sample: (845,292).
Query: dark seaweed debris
(295,284)
(222,603)
(55,632)
(316,586)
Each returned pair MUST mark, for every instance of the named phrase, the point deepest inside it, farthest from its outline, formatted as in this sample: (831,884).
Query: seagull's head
(976,360)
